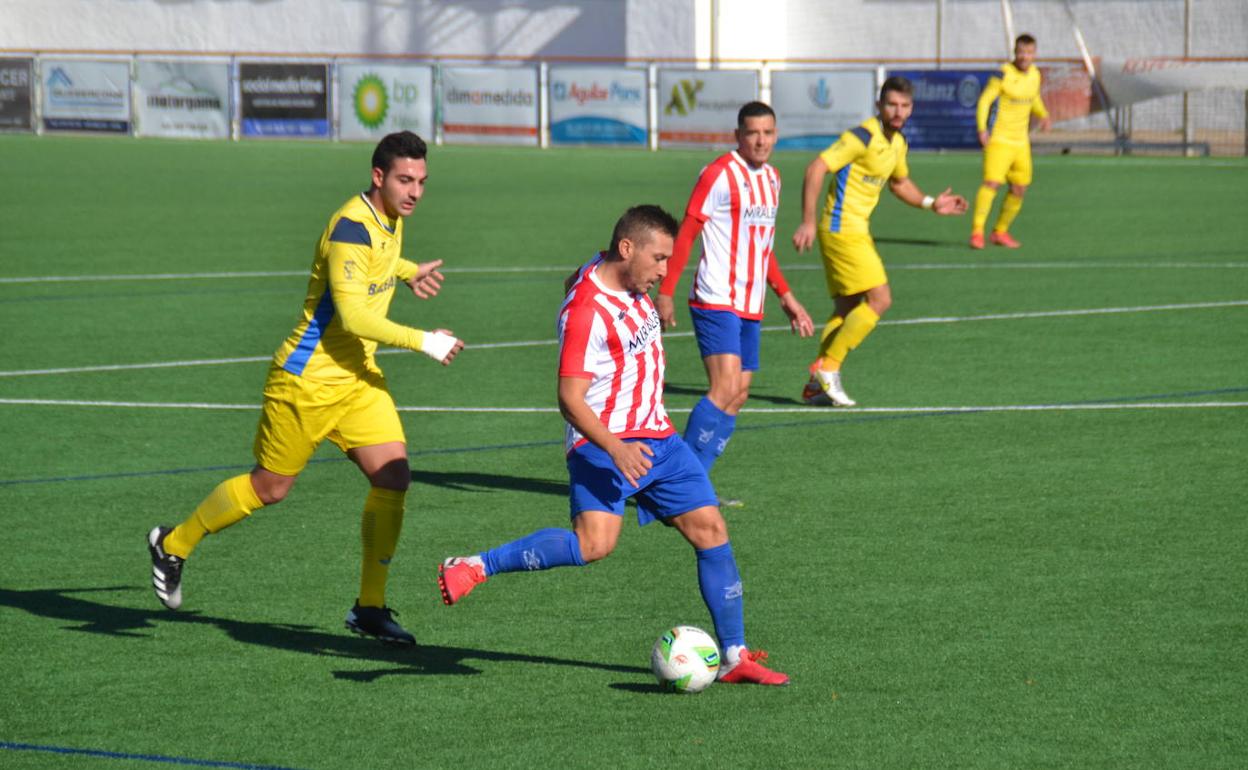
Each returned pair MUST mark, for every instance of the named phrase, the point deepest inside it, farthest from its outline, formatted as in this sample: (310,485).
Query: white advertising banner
(699,107)
(813,108)
(377,99)
(1138,80)
(86,95)
(186,99)
(597,105)
(489,105)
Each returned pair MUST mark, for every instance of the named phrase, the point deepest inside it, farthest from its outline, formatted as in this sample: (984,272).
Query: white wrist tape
(437,345)
(928,202)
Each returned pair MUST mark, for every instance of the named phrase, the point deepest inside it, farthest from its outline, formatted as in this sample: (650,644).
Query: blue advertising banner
(944,108)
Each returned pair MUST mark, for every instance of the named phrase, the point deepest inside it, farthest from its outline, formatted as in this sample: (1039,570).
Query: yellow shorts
(850,263)
(298,415)
(1007,163)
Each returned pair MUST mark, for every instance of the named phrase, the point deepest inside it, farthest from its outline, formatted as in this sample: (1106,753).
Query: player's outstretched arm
(948,203)
(631,457)
(690,228)
(812,184)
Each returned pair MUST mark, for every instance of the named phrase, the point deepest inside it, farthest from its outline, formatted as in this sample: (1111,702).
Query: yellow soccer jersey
(1017,94)
(863,162)
(354,272)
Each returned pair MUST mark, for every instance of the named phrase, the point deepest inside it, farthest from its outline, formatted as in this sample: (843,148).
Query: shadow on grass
(639,688)
(473,482)
(82,614)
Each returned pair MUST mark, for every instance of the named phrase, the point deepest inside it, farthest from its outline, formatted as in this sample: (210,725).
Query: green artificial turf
(947,587)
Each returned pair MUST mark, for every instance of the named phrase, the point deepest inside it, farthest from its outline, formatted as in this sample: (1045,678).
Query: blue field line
(138,757)
(842,417)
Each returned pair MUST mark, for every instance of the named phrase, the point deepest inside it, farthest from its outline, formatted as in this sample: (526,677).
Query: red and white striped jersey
(612,338)
(737,205)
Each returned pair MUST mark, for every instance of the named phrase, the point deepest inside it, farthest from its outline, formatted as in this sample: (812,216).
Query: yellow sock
(983,205)
(858,324)
(829,330)
(232,501)
(1009,210)
(379,534)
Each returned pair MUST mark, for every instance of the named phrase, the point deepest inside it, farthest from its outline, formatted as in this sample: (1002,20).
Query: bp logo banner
(376,99)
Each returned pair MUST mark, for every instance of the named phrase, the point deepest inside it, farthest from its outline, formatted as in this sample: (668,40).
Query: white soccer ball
(685,659)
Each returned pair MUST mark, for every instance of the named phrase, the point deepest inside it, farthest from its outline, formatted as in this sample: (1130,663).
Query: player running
(733,206)
(325,383)
(863,161)
(621,444)
(1007,149)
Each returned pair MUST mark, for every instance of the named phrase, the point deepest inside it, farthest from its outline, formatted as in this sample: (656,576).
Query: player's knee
(272,489)
(1018,190)
(991,185)
(396,475)
(593,549)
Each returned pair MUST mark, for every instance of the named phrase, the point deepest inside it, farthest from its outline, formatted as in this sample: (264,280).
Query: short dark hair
(637,224)
(899,84)
(402,144)
(1025,39)
(754,110)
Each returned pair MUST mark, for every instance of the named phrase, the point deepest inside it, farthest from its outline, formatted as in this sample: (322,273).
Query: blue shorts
(677,483)
(720,331)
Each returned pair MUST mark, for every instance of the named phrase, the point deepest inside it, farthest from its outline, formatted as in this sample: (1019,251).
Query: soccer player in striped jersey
(863,160)
(620,443)
(733,206)
(325,383)
(1007,148)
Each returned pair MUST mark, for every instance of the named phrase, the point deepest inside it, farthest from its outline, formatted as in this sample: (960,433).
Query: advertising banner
(379,99)
(86,95)
(187,99)
(944,108)
(597,105)
(813,107)
(699,107)
(283,99)
(492,105)
(1136,80)
(15,94)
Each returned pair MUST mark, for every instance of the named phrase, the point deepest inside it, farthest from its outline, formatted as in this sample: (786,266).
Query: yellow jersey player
(863,160)
(1007,148)
(325,383)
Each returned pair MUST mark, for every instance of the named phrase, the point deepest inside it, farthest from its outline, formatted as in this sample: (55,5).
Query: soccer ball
(685,659)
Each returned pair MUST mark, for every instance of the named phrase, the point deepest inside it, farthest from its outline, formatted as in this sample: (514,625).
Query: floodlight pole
(1187,52)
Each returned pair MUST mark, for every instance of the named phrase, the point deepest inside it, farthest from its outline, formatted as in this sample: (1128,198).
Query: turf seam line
(669,335)
(138,757)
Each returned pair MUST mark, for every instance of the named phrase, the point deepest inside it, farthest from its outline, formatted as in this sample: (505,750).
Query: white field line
(757,410)
(568,268)
(669,335)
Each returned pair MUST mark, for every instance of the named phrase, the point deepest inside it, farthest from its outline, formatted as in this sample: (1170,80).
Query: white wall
(611,28)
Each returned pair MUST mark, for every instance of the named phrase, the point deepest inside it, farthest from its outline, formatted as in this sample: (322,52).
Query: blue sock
(708,431)
(721,590)
(542,549)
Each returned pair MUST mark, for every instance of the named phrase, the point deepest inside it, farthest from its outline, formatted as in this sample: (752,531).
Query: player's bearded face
(402,186)
(756,139)
(1024,55)
(895,109)
(646,260)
